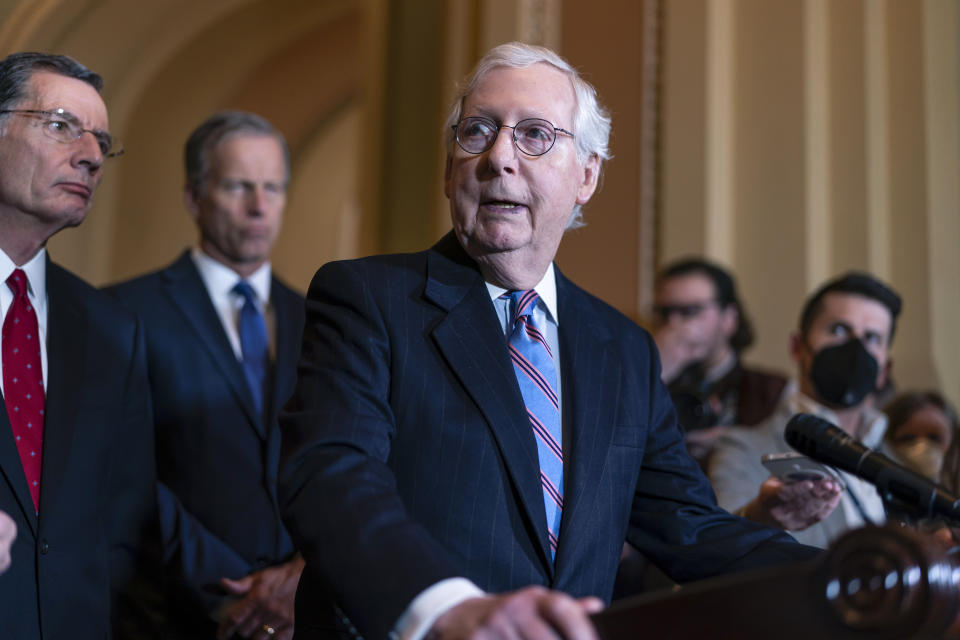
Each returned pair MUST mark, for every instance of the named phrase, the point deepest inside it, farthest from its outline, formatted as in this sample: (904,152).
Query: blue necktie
(537,376)
(253,343)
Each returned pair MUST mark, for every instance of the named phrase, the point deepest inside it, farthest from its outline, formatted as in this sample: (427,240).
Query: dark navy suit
(216,459)
(92,556)
(408,457)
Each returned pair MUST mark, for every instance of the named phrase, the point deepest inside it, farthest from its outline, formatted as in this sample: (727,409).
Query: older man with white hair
(473,436)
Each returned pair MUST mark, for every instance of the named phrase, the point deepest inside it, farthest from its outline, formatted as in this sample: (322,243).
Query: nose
(256,201)
(502,156)
(88,153)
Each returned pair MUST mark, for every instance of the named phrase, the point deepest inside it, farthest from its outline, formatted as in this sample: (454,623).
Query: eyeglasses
(533,136)
(63,126)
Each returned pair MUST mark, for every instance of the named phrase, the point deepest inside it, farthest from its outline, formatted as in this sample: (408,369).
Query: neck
(847,419)
(720,364)
(20,239)
(242,269)
(511,273)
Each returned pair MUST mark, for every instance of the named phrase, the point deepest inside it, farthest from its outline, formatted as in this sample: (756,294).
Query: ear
(797,348)
(729,318)
(884,373)
(190,201)
(588,183)
(447,177)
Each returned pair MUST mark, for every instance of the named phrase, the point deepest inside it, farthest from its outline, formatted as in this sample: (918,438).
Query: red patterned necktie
(23,381)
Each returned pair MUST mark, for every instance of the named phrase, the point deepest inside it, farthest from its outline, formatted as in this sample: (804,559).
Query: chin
(69,218)
(486,245)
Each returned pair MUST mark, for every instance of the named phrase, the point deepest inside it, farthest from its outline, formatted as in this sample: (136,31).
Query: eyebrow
(67,115)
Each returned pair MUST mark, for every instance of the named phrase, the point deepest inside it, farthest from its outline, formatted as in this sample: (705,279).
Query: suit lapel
(67,331)
(12,470)
(472,341)
(188,295)
(289,317)
(590,378)
(289,323)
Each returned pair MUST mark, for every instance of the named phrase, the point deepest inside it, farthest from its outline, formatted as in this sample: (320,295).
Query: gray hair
(591,120)
(216,129)
(17,69)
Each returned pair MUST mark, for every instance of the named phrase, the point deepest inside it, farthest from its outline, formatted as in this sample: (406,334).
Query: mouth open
(503,206)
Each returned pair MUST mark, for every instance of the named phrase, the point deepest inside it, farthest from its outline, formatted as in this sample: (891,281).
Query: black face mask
(844,374)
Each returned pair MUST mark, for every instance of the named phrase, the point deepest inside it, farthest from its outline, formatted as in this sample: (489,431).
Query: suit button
(44,546)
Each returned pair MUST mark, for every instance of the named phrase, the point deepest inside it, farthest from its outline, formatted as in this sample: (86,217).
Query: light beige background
(796,138)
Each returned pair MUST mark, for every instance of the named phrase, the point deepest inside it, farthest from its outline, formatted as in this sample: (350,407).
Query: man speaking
(473,437)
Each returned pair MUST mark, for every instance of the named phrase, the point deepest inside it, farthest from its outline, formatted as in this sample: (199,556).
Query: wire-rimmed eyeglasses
(63,126)
(533,136)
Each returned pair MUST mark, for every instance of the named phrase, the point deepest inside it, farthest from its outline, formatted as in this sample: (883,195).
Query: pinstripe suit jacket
(407,455)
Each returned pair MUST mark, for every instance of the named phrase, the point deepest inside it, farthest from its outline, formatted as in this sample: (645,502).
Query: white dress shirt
(439,598)
(36,270)
(219,281)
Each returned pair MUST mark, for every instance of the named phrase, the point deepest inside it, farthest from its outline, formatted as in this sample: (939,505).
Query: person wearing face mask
(842,354)
(922,428)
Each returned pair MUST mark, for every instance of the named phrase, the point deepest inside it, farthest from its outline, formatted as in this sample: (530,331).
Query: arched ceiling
(167,64)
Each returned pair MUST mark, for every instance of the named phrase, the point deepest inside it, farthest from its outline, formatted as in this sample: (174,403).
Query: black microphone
(827,443)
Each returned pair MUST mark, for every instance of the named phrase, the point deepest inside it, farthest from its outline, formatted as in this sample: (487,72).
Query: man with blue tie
(222,339)
(473,437)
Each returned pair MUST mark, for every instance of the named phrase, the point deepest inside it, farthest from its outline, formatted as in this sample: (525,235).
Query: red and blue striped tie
(537,375)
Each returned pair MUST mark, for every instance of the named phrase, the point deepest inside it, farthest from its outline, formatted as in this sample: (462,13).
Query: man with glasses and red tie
(76,436)
(473,437)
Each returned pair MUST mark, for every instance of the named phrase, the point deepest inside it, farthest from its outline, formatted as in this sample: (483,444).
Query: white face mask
(923,456)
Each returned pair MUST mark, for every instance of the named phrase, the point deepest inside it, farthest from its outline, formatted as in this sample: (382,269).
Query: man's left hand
(265,604)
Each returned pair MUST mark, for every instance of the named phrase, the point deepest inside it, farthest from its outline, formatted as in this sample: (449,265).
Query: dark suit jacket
(93,550)
(408,457)
(216,460)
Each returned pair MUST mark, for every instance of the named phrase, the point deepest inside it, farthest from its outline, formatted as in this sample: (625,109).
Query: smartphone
(796,467)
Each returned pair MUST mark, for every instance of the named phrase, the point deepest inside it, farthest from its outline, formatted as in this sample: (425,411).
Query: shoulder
(144,287)
(284,294)
(379,273)
(762,381)
(767,436)
(597,315)
(70,294)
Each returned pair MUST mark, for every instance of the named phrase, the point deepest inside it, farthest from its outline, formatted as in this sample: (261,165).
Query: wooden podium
(876,582)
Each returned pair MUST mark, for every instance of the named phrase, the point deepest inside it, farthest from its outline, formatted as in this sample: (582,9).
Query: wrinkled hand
(531,613)
(680,345)
(266,601)
(793,506)
(8,533)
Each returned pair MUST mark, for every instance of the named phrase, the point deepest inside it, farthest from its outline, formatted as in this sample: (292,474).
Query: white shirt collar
(546,289)
(220,279)
(36,270)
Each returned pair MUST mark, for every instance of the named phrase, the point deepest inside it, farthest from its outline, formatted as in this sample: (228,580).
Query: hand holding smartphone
(796,467)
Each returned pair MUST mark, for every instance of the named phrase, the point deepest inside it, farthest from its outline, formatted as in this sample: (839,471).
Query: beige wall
(167,65)
(799,138)
(804,138)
